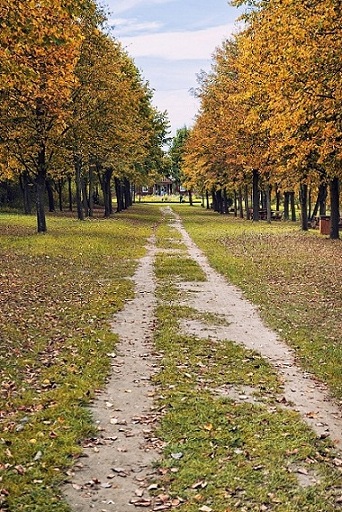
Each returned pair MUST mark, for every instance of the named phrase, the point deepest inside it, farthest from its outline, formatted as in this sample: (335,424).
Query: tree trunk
(78,170)
(118,192)
(293,206)
(240,203)
(106,189)
(59,186)
(255,195)
(40,191)
(286,205)
(277,199)
(304,206)
(24,185)
(91,191)
(51,199)
(207,199)
(127,191)
(268,203)
(235,203)
(321,199)
(191,203)
(248,213)
(335,208)
(70,192)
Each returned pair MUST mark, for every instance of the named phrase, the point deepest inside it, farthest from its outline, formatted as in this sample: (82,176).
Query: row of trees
(271,108)
(73,106)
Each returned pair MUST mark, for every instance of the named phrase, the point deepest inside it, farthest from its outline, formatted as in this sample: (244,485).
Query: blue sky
(171,41)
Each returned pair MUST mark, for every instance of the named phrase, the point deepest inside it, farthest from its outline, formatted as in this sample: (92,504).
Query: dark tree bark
(268,202)
(304,207)
(240,203)
(277,199)
(248,213)
(51,199)
(321,201)
(119,195)
(78,179)
(235,204)
(293,206)
(127,191)
(24,181)
(59,187)
(70,192)
(91,191)
(335,208)
(191,202)
(107,192)
(40,191)
(207,199)
(286,205)
(255,195)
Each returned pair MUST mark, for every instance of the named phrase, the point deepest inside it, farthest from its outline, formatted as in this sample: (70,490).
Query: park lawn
(224,454)
(58,294)
(295,278)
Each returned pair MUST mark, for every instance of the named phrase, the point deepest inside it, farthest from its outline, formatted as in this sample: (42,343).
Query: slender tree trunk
(240,203)
(268,203)
(51,199)
(106,188)
(321,199)
(191,202)
(304,206)
(277,199)
(118,191)
(91,191)
(335,208)
(286,205)
(235,203)
(248,213)
(255,195)
(293,206)
(40,191)
(59,187)
(24,185)
(225,202)
(207,199)
(70,192)
(78,179)
(85,196)
(128,196)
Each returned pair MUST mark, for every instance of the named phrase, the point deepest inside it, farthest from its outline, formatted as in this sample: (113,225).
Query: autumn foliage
(271,107)
(73,103)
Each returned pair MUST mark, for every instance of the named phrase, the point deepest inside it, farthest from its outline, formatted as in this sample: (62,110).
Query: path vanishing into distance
(117,471)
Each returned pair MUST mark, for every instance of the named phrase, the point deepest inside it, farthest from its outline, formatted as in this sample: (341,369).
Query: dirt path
(117,468)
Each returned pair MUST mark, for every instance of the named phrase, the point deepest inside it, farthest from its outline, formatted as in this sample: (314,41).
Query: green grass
(222,454)
(294,276)
(58,294)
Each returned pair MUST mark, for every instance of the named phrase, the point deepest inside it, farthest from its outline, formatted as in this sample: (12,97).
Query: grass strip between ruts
(59,292)
(224,454)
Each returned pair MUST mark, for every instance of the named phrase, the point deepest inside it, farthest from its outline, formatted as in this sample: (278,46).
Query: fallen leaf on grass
(205,509)
(201,484)
(177,456)
(141,502)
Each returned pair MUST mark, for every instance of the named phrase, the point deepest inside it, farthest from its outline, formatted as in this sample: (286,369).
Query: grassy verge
(58,293)
(295,277)
(225,454)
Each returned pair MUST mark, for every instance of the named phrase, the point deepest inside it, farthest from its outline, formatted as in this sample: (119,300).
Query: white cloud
(122,26)
(180,105)
(178,45)
(126,5)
